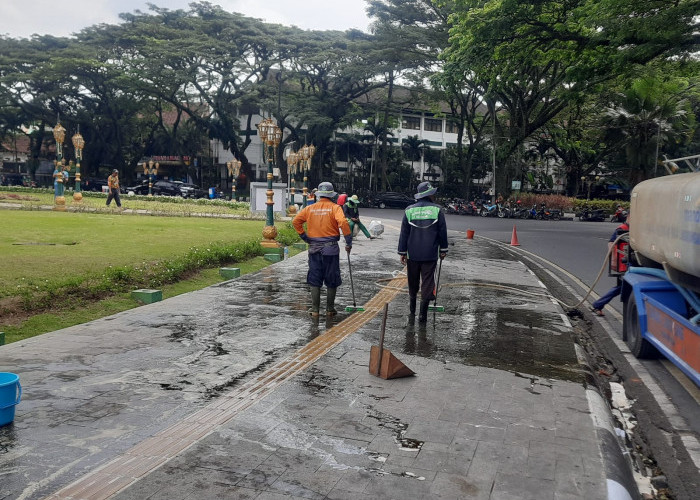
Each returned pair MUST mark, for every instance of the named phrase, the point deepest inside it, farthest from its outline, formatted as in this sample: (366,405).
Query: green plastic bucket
(10,394)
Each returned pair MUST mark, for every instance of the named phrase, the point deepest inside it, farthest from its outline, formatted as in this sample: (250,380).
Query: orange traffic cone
(514,238)
(470,234)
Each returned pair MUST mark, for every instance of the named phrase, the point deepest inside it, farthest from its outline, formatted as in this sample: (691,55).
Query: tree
(536,57)
(649,113)
(414,147)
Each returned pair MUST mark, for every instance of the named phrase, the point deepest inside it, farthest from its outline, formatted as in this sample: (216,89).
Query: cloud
(63,19)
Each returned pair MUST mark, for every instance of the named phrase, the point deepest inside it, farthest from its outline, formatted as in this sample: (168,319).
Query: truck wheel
(639,346)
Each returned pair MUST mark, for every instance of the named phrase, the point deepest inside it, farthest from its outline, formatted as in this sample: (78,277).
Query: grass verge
(88,311)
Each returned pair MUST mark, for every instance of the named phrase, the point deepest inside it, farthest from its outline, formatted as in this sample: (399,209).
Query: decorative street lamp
(78,144)
(292,162)
(234,169)
(150,170)
(271,135)
(59,134)
(307,153)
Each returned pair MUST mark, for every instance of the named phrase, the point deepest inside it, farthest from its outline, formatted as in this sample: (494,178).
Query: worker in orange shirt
(324,221)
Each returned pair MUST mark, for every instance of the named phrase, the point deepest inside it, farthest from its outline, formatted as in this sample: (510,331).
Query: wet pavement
(235,392)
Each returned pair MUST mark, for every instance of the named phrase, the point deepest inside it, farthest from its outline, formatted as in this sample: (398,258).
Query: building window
(452,128)
(411,122)
(433,125)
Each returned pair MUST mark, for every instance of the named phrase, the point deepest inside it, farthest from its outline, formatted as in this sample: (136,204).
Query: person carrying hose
(422,240)
(352,214)
(324,221)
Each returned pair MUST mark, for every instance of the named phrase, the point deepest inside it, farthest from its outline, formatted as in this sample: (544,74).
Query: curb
(617,464)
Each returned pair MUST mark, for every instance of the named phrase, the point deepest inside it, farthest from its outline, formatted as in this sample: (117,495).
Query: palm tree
(378,131)
(414,147)
(646,115)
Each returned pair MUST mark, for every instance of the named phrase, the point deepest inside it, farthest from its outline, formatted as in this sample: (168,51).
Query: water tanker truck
(661,291)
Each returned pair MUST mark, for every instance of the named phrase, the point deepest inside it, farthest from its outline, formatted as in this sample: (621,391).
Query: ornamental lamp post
(271,135)
(234,169)
(310,150)
(78,144)
(303,155)
(59,134)
(292,161)
(150,169)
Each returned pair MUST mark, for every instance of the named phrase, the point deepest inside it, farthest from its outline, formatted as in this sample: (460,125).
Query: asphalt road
(578,247)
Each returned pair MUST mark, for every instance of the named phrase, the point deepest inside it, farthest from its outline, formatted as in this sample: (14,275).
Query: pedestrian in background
(311,198)
(324,220)
(422,241)
(352,214)
(113,186)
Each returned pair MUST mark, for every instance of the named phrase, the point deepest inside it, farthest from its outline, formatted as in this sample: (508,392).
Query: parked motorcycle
(591,215)
(530,213)
(546,214)
(492,210)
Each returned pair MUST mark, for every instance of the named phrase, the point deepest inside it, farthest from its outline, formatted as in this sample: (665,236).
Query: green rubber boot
(330,302)
(315,300)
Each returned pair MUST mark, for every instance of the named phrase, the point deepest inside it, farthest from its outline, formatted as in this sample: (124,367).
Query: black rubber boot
(330,302)
(412,304)
(423,315)
(315,300)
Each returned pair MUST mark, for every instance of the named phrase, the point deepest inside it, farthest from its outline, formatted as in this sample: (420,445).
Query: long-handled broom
(436,307)
(354,307)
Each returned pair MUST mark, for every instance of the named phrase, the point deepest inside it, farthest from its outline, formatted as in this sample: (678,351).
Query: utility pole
(493,158)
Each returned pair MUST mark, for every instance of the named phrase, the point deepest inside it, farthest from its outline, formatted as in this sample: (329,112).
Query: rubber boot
(412,304)
(330,302)
(315,300)
(423,315)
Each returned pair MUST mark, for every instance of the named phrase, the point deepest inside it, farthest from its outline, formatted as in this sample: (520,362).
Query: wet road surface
(498,408)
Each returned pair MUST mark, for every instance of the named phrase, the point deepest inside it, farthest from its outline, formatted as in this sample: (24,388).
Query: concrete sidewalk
(235,392)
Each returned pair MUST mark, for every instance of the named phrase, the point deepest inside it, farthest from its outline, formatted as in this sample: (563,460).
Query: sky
(23,18)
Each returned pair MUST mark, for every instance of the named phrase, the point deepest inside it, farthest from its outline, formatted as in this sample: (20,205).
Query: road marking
(151,453)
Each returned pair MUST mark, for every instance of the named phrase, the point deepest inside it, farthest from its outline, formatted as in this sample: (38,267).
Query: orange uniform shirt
(322,219)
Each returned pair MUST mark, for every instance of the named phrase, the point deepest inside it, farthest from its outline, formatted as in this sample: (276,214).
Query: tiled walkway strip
(158,449)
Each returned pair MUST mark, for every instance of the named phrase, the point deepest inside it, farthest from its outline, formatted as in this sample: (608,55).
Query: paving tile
(449,463)
(516,487)
(431,431)
(455,486)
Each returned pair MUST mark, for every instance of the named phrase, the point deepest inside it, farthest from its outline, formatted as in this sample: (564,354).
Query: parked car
(160,187)
(93,185)
(392,199)
(191,190)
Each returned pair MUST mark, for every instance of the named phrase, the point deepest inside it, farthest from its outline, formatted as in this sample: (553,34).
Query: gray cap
(425,189)
(325,190)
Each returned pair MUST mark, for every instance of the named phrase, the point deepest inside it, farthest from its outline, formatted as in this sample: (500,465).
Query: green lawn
(33,199)
(36,247)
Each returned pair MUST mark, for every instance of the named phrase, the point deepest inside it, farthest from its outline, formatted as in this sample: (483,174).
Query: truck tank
(665,226)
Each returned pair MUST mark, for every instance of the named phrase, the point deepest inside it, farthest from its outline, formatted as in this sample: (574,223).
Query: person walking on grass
(422,241)
(352,214)
(324,220)
(113,186)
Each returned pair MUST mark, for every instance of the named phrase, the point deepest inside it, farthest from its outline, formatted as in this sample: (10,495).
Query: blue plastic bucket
(10,394)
